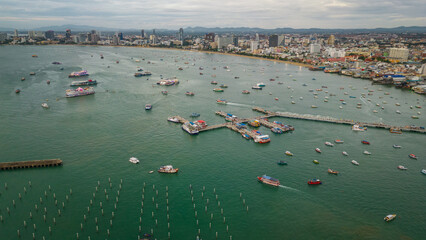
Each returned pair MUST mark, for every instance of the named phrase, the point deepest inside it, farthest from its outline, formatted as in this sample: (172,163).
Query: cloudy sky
(173,14)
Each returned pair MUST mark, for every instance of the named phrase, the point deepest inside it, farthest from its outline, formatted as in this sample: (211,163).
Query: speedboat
(314,182)
(367,152)
(365,142)
(189,94)
(329,144)
(168,169)
(396,146)
(282,163)
(331,171)
(221,101)
(44,105)
(318,150)
(245,92)
(313,106)
(256,87)
(218,90)
(345,153)
(354,162)
(423,171)
(339,141)
(148,107)
(316,161)
(213,82)
(412,156)
(402,167)
(269,180)
(261,84)
(288,153)
(390,217)
(173,119)
(134,160)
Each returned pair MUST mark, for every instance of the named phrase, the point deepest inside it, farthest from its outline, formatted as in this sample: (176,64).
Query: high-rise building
(15,33)
(115,40)
(223,42)
(398,54)
(315,48)
(331,40)
(68,34)
(49,34)
(257,37)
(281,39)
(273,40)
(235,40)
(210,37)
(143,33)
(180,34)
(3,37)
(153,32)
(120,36)
(254,45)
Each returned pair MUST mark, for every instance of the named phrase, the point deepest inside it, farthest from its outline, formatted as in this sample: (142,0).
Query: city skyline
(128,14)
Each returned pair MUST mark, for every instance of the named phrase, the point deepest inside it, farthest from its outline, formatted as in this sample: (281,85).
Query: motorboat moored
(168,169)
(367,152)
(390,217)
(331,171)
(134,160)
(315,161)
(288,153)
(329,144)
(345,153)
(148,107)
(44,105)
(412,156)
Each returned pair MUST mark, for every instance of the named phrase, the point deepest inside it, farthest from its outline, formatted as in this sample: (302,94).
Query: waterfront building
(257,37)
(223,42)
(254,45)
(315,48)
(49,34)
(281,40)
(210,37)
(180,34)
(273,40)
(398,54)
(120,36)
(15,33)
(3,37)
(68,34)
(143,33)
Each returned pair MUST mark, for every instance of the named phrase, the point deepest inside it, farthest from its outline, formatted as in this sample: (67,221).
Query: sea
(99,194)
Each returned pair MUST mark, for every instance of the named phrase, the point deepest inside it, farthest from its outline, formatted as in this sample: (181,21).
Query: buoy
(96,220)
(156,223)
(224,219)
(84,217)
(19,195)
(29,183)
(152,214)
(156,192)
(110,222)
(216,235)
(33,236)
(221,211)
(100,204)
(54,221)
(70,191)
(94,195)
(112,214)
(35,206)
(109,179)
(50,188)
(50,229)
(59,212)
(66,197)
(41,200)
(31,215)
(13,202)
(205,208)
(44,218)
(5,186)
(210,225)
(25,190)
(211,216)
(102,211)
(35,227)
(244,202)
(88,209)
(140,229)
(63,205)
(241,194)
(81,225)
(97,228)
(76,235)
(99,183)
(54,196)
(25,223)
(45,194)
(19,234)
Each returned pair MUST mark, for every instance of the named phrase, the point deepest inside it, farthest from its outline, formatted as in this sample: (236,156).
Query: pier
(30,164)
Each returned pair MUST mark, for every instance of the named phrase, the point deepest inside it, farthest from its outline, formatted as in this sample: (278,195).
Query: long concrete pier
(30,164)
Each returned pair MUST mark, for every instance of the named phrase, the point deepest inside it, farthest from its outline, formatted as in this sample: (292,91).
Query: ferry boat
(245,92)
(79,92)
(331,171)
(256,88)
(218,90)
(83,83)
(315,161)
(190,128)
(173,119)
(318,150)
(395,130)
(221,101)
(390,217)
(345,153)
(412,156)
(402,167)
(168,169)
(142,74)
(269,180)
(82,73)
(339,141)
(134,160)
(282,163)
(365,142)
(314,182)
(44,105)
(189,94)
(396,146)
(262,139)
(329,144)
(148,107)
(288,153)
(355,162)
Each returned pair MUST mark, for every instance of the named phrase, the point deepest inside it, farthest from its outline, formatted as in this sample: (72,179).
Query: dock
(30,164)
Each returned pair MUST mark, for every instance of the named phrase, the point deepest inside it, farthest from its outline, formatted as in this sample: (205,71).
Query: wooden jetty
(30,164)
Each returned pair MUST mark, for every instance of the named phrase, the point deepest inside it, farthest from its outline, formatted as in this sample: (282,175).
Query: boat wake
(239,105)
(289,188)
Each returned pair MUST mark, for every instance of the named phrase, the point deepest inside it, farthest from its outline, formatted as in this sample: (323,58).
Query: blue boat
(246,136)
(352,96)
(276,130)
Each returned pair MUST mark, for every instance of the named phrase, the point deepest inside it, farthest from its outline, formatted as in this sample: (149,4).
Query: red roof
(201,121)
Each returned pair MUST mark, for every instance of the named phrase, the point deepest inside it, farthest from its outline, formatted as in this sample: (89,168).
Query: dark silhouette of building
(49,34)
(273,40)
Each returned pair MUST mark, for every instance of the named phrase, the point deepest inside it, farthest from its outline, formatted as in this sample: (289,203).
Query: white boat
(367,152)
(134,160)
(390,217)
(329,144)
(354,162)
(44,105)
(173,119)
(345,153)
(402,167)
(288,153)
(397,111)
(423,171)
(292,102)
(358,128)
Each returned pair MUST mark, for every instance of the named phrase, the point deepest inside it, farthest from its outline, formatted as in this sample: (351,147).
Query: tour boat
(189,94)
(412,156)
(282,163)
(318,150)
(218,90)
(367,152)
(314,182)
(168,82)
(354,162)
(329,144)
(173,119)
(262,139)
(339,141)
(148,107)
(213,82)
(288,153)
(261,84)
(390,217)
(269,180)
(168,169)
(331,171)
(402,167)
(44,105)
(245,92)
(83,83)
(365,142)
(18,90)
(221,101)
(315,161)
(134,160)
(345,153)
(190,128)
(79,74)
(396,146)
(79,92)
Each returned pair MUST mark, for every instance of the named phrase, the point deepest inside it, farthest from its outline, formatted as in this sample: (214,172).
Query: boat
(48,81)
(355,162)
(22,79)
(262,139)
(365,142)
(84,83)
(190,128)
(164,92)
(396,146)
(173,119)
(256,88)
(269,180)
(339,141)
(18,90)
(140,69)
(282,163)
(318,150)
(221,101)
(314,182)
(218,90)
(148,107)
(329,144)
(423,171)
(134,160)
(390,217)
(245,92)
(395,130)
(32,73)
(254,123)
(277,130)
(261,84)
(82,73)
(223,86)
(415,117)
(288,153)
(168,169)
(345,153)
(367,152)
(276,99)
(168,82)
(194,114)
(189,94)
(34,56)
(142,74)
(358,128)
(412,156)
(56,63)
(402,167)
(292,102)
(313,106)
(213,82)
(331,171)
(44,105)
(79,92)
(315,161)
(150,172)
(246,136)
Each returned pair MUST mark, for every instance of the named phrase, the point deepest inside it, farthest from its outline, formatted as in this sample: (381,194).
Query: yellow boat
(288,153)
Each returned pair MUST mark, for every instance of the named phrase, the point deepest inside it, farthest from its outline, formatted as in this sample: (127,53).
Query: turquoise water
(96,135)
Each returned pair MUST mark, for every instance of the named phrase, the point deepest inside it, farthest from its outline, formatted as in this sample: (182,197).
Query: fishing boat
(194,114)
(213,82)
(245,92)
(142,74)
(221,101)
(314,182)
(365,142)
(168,82)
(355,162)
(288,153)
(190,128)
(18,90)
(189,94)
(276,130)
(331,171)
(339,141)
(367,152)
(390,217)
(82,73)
(402,167)
(32,73)
(256,88)
(83,83)
(254,123)
(282,163)
(315,161)
(168,169)
(262,139)
(395,130)
(79,92)
(246,136)
(318,150)
(218,90)
(148,107)
(329,144)
(223,86)
(412,156)
(313,106)
(173,119)
(345,153)
(396,146)
(134,160)
(44,105)
(269,180)
(358,128)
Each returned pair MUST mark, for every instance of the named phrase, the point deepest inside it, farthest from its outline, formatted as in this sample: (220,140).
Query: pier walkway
(30,164)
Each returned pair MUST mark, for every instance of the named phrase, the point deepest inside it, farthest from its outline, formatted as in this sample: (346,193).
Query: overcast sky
(173,14)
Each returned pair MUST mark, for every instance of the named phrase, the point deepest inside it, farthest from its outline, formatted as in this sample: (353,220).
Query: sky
(173,14)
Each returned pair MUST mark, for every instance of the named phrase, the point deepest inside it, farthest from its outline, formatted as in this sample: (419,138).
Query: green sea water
(96,135)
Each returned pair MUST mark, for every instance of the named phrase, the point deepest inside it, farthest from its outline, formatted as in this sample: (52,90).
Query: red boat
(365,142)
(314,182)
(318,150)
(412,156)
(269,180)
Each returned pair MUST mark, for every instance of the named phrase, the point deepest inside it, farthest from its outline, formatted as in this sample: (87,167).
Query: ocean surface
(101,195)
